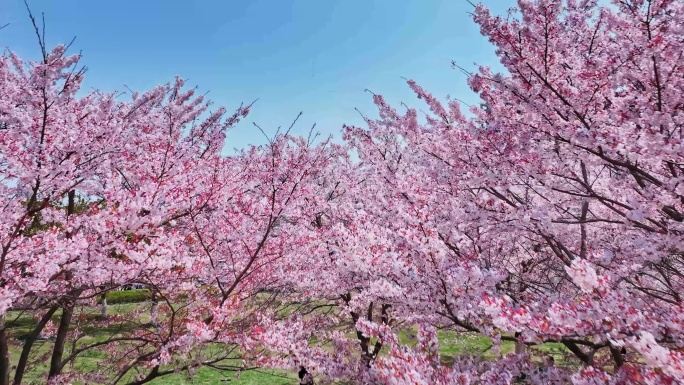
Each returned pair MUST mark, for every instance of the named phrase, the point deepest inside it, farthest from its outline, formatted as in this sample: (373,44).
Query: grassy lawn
(21,323)
(452,345)
(208,376)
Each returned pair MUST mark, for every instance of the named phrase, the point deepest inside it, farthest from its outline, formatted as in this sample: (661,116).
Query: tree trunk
(4,353)
(28,344)
(154,310)
(60,339)
(520,347)
(103,307)
(67,310)
(618,354)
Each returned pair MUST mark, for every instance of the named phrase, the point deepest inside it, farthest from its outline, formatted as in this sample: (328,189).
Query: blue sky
(315,56)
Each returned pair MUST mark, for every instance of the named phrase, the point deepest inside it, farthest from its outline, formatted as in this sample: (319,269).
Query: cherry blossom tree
(553,213)
(99,193)
(87,184)
(550,214)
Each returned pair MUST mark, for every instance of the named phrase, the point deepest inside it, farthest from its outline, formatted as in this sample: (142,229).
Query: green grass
(20,324)
(452,345)
(128,296)
(209,376)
